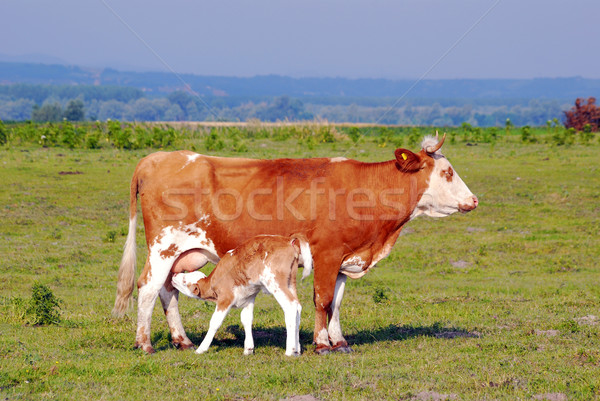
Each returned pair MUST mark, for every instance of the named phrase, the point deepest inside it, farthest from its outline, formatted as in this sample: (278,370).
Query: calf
(266,262)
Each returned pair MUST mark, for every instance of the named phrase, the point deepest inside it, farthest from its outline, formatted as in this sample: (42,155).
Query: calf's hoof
(184,346)
(147,348)
(249,351)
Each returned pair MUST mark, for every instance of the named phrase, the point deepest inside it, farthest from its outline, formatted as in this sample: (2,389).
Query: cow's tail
(307,260)
(126,280)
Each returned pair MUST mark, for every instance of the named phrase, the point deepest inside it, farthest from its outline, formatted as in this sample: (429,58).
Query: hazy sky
(346,38)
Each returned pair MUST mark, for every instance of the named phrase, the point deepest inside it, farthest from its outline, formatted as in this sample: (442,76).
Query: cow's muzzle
(468,206)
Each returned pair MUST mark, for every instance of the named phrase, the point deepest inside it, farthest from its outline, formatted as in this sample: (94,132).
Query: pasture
(500,303)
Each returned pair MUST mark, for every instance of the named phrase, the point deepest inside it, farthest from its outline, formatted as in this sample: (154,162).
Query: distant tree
(284,108)
(17,110)
(48,112)
(191,111)
(74,110)
(583,114)
(174,113)
(180,98)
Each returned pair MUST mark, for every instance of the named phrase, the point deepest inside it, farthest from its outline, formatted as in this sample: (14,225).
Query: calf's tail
(307,260)
(126,280)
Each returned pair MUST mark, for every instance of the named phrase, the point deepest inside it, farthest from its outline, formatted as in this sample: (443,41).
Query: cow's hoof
(342,349)
(322,350)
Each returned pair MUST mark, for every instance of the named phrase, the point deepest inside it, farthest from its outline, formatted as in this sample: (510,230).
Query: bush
(3,134)
(583,114)
(526,135)
(43,306)
(380,295)
(213,142)
(68,135)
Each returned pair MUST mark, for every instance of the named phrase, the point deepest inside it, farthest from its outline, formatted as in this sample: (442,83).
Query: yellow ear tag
(404,156)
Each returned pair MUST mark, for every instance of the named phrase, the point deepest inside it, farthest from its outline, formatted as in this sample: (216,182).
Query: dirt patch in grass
(547,333)
(551,397)
(300,398)
(460,264)
(589,320)
(433,396)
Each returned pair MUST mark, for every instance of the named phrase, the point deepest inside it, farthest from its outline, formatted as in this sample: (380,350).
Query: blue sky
(345,38)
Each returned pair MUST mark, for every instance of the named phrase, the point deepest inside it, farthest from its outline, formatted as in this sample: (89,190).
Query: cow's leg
(246,317)
(150,283)
(215,322)
(324,287)
(338,342)
(169,297)
(188,261)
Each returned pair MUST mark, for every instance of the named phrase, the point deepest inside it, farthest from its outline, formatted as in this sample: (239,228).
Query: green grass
(482,306)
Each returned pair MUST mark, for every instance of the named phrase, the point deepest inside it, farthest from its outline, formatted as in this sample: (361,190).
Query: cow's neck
(385,176)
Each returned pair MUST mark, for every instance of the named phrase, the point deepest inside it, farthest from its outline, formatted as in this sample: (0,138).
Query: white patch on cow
(323,337)
(353,267)
(190,159)
(337,159)
(335,329)
(171,243)
(442,198)
(205,218)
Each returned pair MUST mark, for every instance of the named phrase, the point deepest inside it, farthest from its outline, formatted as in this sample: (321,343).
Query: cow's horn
(432,149)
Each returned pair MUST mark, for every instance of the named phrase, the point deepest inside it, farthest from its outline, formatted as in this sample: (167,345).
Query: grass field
(501,303)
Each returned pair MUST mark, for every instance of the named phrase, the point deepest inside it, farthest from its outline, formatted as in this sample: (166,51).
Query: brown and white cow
(265,262)
(196,208)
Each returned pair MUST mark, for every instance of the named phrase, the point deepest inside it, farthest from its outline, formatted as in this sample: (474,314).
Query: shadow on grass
(276,336)
(396,332)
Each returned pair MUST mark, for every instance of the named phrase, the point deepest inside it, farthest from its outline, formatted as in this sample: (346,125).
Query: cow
(265,262)
(196,208)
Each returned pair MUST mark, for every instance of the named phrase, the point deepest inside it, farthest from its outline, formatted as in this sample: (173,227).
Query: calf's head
(442,191)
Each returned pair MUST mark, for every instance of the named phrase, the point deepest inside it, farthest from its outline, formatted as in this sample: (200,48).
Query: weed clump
(380,295)
(44,306)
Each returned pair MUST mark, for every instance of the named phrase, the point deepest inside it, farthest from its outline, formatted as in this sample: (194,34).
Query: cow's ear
(407,161)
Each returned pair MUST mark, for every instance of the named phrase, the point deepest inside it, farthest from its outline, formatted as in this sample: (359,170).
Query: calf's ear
(195,289)
(407,161)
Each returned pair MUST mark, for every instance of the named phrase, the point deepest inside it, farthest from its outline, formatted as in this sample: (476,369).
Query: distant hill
(160,83)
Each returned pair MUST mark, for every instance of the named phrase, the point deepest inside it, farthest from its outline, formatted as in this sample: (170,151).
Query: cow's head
(442,191)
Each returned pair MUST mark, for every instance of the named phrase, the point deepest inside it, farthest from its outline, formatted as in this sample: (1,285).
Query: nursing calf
(266,262)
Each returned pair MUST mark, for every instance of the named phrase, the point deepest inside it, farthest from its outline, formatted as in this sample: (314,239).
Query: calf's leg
(215,322)
(246,317)
(290,306)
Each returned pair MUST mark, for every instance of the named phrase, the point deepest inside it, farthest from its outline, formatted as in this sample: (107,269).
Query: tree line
(21,102)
